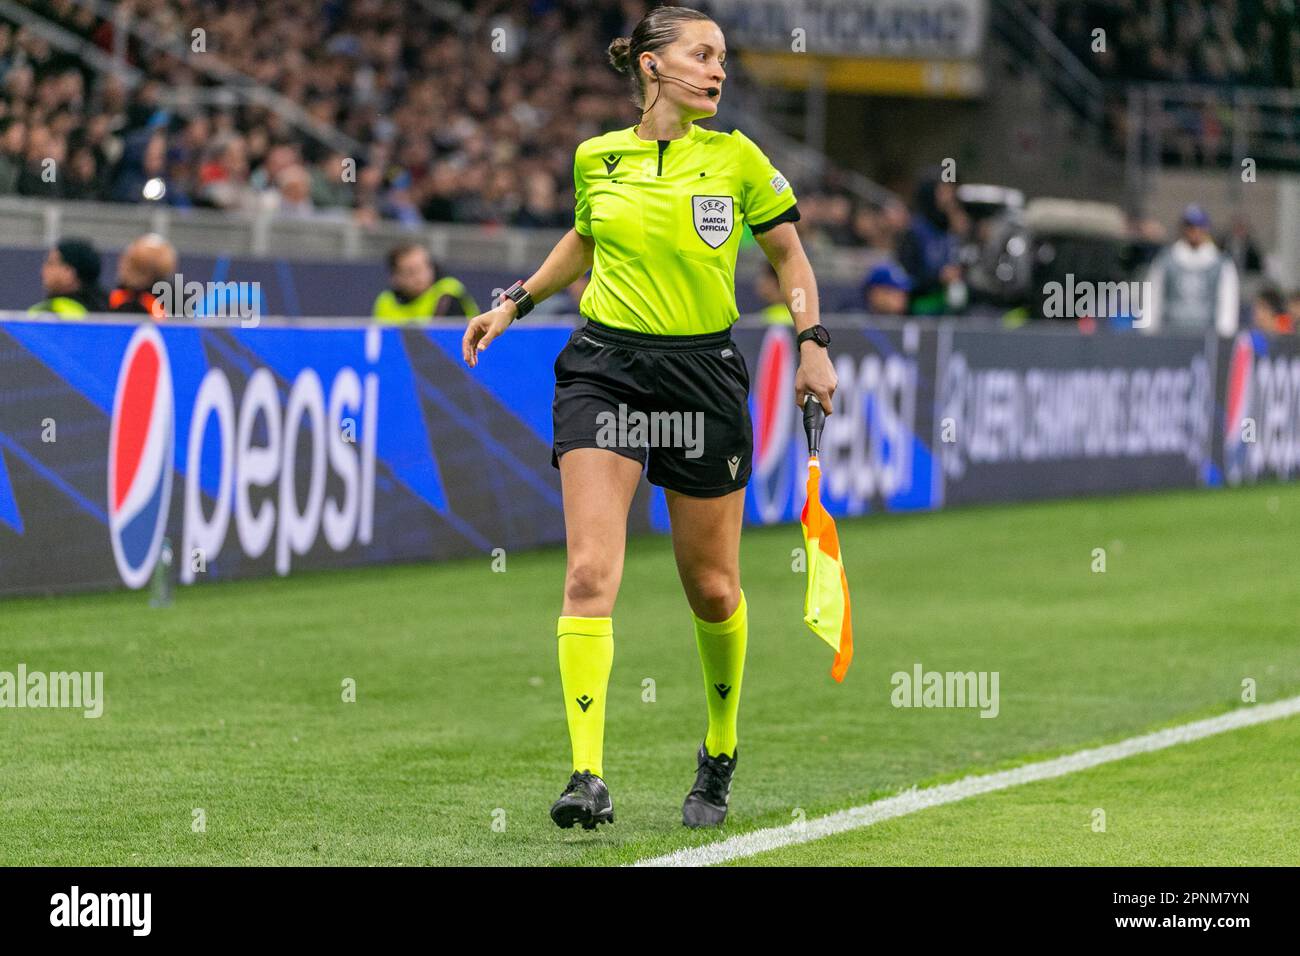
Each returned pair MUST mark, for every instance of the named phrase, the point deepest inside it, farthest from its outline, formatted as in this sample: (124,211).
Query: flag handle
(813,420)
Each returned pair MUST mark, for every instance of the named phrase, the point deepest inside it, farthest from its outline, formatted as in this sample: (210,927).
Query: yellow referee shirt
(667,216)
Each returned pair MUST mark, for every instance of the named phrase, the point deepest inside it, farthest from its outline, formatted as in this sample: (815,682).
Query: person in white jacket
(1192,285)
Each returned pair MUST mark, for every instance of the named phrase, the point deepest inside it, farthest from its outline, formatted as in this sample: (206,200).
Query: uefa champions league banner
(1048,414)
(272,450)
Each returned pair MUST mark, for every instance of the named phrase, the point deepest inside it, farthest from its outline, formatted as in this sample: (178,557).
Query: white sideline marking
(910,801)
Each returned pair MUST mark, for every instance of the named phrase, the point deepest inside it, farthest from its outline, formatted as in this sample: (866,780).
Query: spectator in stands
(768,287)
(1192,286)
(440,191)
(144,263)
(223,177)
(472,205)
(886,289)
(1270,314)
(279,157)
(837,223)
(930,248)
(20,84)
(70,277)
(84,178)
(1240,245)
(417,294)
(293,193)
(42,175)
(185,149)
(399,205)
(98,135)
(142,174)
(330,187)
(874,227)
(369,192)
(540,209)
(13,136)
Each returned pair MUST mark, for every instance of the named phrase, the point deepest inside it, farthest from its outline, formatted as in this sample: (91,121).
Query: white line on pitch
(910,801)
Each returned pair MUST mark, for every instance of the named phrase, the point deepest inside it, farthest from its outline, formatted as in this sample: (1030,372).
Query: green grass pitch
(1228,800)
(230,702)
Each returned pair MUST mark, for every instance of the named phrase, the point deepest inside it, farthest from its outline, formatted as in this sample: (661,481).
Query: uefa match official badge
(714,218)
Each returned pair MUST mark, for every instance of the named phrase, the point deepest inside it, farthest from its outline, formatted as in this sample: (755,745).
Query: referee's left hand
(483,328)
(816,375)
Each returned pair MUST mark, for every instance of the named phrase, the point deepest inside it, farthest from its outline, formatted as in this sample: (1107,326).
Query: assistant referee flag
(826,608)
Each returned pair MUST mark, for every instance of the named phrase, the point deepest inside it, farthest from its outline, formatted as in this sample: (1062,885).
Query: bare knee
(714,596)
(590,587)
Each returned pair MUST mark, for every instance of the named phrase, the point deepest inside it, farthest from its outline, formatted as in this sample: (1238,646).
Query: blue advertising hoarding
(268,450)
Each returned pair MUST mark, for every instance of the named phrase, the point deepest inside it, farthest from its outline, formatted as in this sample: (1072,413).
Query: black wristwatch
(520,297)
(816,333)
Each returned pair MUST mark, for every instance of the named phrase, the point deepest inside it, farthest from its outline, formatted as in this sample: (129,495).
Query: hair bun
(620,54)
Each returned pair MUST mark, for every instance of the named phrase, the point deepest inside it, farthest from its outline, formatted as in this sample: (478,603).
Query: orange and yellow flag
(826,608)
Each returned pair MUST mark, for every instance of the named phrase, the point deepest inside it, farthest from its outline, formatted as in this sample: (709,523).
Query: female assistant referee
(658,218)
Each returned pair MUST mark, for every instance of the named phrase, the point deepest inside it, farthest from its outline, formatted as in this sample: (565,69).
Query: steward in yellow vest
(70,276)
(415,296)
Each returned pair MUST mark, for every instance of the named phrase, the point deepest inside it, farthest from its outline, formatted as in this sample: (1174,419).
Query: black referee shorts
(678,402)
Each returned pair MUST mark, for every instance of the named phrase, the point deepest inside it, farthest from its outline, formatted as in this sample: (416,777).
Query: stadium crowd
(449,132)
(1244,42)
(1208,49)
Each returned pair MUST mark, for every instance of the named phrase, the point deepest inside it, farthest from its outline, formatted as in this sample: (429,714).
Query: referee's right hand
(483,328)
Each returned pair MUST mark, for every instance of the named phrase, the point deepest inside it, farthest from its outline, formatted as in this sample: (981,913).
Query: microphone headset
(709,91)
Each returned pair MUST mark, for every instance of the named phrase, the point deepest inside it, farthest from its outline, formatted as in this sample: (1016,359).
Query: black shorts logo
(714,218)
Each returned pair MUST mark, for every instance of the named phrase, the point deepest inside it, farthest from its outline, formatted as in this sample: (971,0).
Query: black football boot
(585,800)
(706,804)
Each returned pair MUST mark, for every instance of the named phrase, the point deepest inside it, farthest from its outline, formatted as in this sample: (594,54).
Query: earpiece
(709,91)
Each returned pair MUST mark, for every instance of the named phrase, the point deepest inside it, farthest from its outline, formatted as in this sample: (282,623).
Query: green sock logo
(584,702)
(722,690)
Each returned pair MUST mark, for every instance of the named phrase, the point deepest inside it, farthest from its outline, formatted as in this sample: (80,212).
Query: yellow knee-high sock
(722,652)
(586,655)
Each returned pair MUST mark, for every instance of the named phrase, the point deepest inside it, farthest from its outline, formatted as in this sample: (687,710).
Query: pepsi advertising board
(277,449)
(266,450)
(876,448)
(1257,420)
